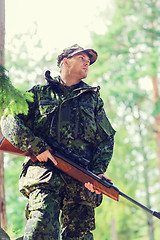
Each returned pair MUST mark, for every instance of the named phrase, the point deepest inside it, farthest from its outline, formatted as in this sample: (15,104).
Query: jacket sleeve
(18,129)
(104,141)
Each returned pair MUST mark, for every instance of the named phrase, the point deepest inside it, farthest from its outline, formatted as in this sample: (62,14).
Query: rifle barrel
(154,213)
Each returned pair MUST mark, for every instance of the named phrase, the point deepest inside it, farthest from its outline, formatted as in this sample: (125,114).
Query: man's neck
(70,81)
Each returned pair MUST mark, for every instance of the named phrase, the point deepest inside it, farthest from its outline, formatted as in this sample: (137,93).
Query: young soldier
(70,112)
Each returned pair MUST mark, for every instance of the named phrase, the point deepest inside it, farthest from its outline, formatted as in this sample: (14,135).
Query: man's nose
(86,63)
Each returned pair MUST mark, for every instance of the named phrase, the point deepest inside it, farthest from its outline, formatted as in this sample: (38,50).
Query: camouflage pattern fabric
(75,118)
(68,195)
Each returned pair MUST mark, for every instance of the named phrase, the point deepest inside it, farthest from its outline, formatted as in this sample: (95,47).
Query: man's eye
(84,60)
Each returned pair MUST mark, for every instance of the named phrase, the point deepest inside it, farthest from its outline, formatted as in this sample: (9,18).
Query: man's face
(78,65)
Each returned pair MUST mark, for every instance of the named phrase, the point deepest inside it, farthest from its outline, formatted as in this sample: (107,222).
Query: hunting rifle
(76,167)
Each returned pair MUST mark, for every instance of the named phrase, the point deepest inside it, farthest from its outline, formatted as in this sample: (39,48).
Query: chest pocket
(47,107)
(88,121)
(44,116)
(47,111)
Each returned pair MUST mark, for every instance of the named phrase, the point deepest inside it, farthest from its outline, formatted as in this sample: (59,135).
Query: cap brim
(92,54)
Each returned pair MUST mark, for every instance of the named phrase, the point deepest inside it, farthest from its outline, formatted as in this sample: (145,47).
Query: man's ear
(65,61)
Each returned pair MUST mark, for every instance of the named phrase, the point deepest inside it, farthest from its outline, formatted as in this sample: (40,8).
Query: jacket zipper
(60,107)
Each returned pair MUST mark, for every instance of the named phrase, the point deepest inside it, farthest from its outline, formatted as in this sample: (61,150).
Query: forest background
(128,72)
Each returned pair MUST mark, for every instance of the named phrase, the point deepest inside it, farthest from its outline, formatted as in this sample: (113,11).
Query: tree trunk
(155,87)
(146,181)
(2,30)
(114,235)
(3,218)
(157,119)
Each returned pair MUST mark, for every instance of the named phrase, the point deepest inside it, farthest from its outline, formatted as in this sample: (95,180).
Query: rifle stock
(80,173)
(6,146)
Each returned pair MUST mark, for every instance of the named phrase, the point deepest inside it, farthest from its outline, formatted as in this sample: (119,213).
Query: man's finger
(103,176)
(44,156)
(90,187)
(52,159)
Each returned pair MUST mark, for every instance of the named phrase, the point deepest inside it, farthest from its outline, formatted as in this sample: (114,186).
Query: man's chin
(84,75)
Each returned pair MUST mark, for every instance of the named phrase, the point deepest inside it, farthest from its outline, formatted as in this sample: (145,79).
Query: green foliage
(11,98)
(15,202)
(28,62)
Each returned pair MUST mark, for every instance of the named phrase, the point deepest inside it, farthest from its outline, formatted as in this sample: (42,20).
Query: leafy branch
(12,100)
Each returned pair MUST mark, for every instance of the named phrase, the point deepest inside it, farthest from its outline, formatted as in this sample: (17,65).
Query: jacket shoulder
(38,88)
(91,88)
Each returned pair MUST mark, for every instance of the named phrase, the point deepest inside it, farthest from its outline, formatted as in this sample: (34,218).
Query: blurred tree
(3,219)
(27,63)
(128,58)
(11,98)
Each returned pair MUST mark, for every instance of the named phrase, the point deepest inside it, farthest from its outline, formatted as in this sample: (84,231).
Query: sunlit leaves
(12,101)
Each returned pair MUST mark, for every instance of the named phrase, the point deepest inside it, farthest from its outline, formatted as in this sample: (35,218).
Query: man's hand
(43,157)
(90,185)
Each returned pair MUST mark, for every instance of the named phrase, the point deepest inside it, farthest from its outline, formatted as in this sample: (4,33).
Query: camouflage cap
(70,51)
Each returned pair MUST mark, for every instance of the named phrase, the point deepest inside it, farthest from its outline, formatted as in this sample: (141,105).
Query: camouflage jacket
(72,116)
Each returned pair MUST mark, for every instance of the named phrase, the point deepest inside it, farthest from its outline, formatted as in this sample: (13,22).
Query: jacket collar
(79,87)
